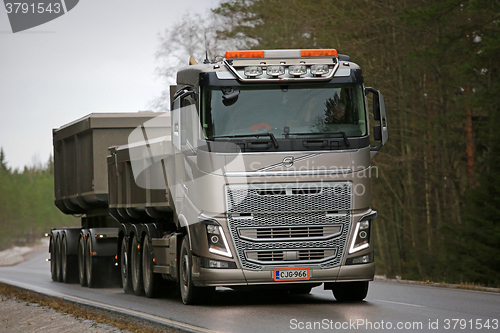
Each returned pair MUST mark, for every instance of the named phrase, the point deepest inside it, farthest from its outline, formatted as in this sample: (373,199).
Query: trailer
(258,177)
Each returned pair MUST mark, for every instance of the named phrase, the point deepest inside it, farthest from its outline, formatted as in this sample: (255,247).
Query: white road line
(64,6)
(418,306)
(157,319)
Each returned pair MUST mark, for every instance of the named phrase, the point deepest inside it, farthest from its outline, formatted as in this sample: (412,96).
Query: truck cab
(273,171)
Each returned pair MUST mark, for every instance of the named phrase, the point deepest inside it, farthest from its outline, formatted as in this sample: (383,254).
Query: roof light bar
(244,54)
(282,53)
(319,53)
(276,54)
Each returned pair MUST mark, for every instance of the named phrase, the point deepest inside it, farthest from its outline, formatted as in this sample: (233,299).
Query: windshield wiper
(271,135)
(346,140)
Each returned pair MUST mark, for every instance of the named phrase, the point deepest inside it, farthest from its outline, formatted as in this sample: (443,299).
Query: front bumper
(204,277)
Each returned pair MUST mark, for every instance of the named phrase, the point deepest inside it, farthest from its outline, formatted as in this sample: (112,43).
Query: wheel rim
(136,267)
(146,271)
(58,259)
(124,262)
(81,261)
(52,259)
(185,265)
(64,260)
(88,261)
(133,262)
(184,275)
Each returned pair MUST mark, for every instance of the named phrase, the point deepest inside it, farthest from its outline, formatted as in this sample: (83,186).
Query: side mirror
(230,96)
(377,132)
(380,132)
(376,107)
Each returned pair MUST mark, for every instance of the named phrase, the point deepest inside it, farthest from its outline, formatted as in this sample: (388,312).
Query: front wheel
(191,294)
(350,291)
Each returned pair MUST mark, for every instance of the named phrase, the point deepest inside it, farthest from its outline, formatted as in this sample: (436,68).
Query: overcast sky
(98,57)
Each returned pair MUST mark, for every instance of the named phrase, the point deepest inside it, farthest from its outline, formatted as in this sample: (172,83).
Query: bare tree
(194,35)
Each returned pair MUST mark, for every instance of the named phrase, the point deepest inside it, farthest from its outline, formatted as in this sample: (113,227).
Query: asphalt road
(388,307)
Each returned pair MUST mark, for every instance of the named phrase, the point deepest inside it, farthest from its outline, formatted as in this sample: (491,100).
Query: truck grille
(273,224)
(287,257)
(295,232)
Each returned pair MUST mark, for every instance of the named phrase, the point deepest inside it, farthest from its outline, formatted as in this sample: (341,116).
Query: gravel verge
(27,311)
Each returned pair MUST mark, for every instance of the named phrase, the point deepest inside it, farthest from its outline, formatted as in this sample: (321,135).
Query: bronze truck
(258,176)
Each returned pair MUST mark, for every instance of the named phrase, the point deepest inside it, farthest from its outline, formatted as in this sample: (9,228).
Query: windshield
(284,110)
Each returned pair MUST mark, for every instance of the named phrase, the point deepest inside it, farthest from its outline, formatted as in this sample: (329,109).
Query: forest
(27,209)
(438,65)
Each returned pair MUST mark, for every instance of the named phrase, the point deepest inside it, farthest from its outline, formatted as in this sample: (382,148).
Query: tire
(190,294)
(58,259)
(53,261)
(65,261)
(125,267)
(350,291)
(94,267)
(136,267)
(150,279)
(82,275)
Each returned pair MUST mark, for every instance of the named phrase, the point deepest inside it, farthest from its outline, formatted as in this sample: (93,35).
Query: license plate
(291,274)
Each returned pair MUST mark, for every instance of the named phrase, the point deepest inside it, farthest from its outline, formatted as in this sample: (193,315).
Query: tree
(3,162)
(195,35)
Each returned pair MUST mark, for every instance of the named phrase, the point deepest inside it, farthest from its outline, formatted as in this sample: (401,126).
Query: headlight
(217,242)
(361,237)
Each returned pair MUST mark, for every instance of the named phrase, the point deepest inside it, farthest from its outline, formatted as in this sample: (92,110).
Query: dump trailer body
(141,194)
(81,187)
(80,150)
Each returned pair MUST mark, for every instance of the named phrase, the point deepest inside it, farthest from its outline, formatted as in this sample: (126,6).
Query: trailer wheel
(81,262)
(136,267)
(191,294)
(125,267)
(350,291)
(94,266)
(58,259)
(53,261)
(150,279)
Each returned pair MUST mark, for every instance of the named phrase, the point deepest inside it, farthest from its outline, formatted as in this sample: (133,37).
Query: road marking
(418,306)
(138,314)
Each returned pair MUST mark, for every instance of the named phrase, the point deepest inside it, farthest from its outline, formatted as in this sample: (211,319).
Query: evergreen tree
(3,162)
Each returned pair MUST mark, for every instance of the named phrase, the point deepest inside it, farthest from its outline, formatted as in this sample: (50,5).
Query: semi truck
(258,176)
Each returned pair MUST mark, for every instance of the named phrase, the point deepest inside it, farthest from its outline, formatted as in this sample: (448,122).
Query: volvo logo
(288,161)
